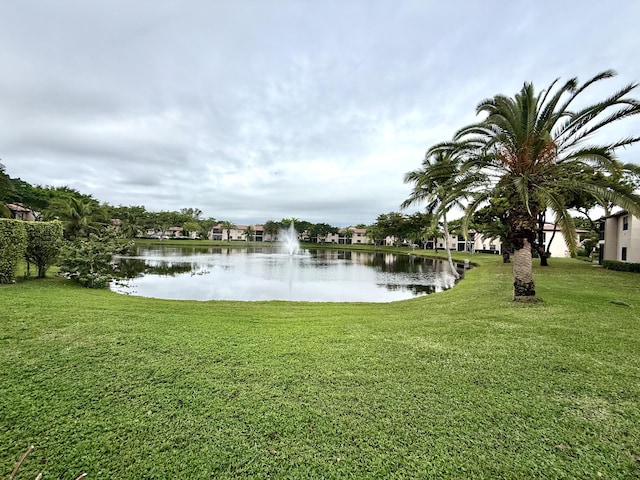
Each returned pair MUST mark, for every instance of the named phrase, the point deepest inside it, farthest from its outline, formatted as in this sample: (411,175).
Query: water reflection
(261,273)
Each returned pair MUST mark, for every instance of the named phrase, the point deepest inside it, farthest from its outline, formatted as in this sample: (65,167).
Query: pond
(263,273)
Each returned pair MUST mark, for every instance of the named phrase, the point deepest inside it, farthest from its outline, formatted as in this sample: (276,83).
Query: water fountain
(289,240)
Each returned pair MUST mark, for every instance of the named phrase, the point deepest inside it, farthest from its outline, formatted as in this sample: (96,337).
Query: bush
(44,240)
(90,261)
(13,244)
(621,266)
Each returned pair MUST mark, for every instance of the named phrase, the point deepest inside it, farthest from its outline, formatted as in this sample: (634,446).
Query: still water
(262,273)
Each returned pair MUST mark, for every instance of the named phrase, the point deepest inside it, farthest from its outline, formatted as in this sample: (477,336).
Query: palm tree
(271,228)
(80,218)
(441,183)
(249,233)
(529,145)
(228,226)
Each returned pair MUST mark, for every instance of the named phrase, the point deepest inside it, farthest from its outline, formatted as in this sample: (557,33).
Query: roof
(617,214)
(18,207)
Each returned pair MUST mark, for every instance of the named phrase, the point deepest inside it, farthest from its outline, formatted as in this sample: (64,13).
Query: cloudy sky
(254,110)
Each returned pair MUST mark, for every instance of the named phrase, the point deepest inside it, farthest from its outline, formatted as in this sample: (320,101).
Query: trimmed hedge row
(13,245)
(36,242)
(621,266)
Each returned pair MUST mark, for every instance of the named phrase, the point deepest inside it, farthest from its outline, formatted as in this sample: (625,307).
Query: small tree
(44,240)
(13,243)
(90,261)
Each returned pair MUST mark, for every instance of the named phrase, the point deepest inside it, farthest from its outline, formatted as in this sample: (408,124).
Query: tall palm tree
(529,145)
(442,185)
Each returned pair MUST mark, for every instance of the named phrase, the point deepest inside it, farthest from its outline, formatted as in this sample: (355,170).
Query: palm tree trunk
(453,268)
(523,285)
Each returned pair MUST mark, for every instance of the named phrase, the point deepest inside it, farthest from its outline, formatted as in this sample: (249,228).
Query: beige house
(479,244)
(22,212)
(349,236)
(620,238)
(171,232)
(217,232)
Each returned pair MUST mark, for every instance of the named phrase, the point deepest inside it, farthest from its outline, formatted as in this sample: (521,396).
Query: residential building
(239,232)
(349,236)
(620,238)
(22,212)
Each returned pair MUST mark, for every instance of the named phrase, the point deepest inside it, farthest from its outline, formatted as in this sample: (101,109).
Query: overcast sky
(255,110)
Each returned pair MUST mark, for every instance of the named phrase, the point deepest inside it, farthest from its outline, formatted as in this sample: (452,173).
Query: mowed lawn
(461,384)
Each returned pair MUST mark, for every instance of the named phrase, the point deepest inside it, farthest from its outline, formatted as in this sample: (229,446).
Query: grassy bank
(462,384)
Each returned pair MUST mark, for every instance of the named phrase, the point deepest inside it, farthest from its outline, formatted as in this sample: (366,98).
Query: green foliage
(228,226)
(393,224)
(13,244)
(191,226)
(535,149)
(79,217)
(621,266)
(194,213)
(90,261)
(44,240)
(460,385)
(321,230)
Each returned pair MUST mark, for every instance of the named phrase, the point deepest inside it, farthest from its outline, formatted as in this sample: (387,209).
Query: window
(625,222)
(624,254)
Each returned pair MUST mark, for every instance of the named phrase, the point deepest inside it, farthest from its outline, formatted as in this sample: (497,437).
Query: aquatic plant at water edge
(90,261)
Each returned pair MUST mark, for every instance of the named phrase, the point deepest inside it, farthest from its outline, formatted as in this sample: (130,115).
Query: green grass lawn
(461,384)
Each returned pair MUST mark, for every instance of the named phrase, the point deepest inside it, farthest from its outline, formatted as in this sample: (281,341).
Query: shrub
(44,240)
(13,244)
(621,266)
(90,261)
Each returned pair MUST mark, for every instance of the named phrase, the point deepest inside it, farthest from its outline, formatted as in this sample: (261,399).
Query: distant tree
(206,225)
(492,222)
(191,226)
(250,233)
(393,224)
(271,228)
(133,221)
(418,225)
(376,234)
(285,222)
(194,213)
(228,226)
(348,234)
(6,187)
(321,230)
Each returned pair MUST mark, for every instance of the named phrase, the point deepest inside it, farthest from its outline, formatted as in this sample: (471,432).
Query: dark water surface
(263,273)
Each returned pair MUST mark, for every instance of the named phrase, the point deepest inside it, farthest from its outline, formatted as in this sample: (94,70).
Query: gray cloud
(255,110)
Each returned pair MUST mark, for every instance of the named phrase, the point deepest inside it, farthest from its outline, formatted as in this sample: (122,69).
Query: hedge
(13,245)
(621,266)
(44,240)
